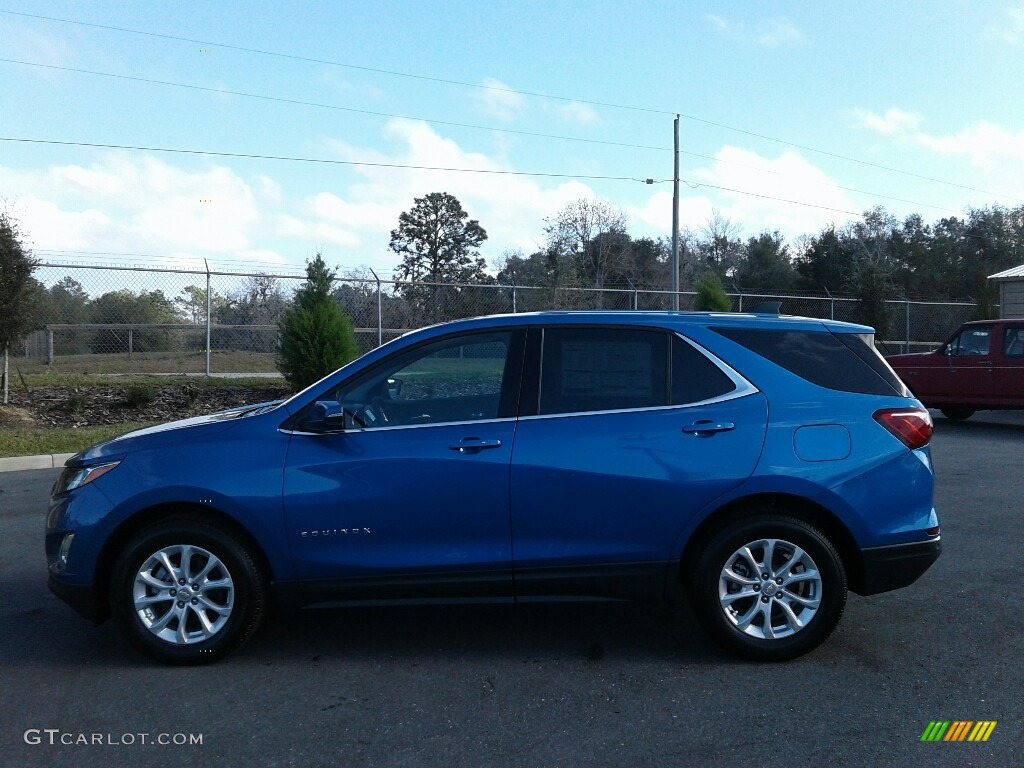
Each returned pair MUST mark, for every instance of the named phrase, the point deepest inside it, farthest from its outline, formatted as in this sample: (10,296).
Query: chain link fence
(105,319)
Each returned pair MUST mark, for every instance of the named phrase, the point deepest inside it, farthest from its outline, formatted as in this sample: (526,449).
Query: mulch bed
(93,406)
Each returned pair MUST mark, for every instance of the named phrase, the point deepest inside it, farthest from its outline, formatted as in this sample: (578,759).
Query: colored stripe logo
(959,730)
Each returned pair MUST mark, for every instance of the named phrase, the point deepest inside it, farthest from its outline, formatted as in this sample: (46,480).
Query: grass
(19,435)
(152,362)
(51,379)
(26,440)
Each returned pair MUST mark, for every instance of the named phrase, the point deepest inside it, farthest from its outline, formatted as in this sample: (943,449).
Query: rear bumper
(888,568)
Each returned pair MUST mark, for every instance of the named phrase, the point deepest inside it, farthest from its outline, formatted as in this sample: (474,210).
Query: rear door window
(603,369)
(612,369)
(1013,342)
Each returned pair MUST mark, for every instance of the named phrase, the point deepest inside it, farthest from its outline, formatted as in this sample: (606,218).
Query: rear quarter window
(694,377)
(844,362)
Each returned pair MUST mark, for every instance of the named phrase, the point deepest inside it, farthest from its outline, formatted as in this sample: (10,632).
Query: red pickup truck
(980,367)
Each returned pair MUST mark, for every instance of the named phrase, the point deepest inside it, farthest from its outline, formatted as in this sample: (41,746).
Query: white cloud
(45,225)
(1011,30)
(718,22)
(498,100)
(578,113)
(985,145)
(754,191)
(893,122)
(774,33)
(140,204)
(768,33)
(25,44)
(135,203)
(511,208)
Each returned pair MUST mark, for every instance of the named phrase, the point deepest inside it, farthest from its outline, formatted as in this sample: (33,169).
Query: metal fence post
(131,343)
(514,309)
(380,313)
(208,304)
(831,304)
(49,346)
(906,328)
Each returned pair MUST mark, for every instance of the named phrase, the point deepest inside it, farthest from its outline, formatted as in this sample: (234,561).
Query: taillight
(913,426)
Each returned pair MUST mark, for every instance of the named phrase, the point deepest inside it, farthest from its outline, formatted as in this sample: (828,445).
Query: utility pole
(675,222)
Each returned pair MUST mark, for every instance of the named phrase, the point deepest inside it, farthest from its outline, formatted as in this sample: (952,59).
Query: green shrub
(711,296)
(316,335)
(190,394)
(138,395)
(77,403)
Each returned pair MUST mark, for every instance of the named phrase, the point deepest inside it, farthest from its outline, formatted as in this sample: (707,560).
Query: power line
(694,184)
(327,161)
(837,156)
(320,105)
(761,169)
(345,65)
(691,183)
(222,91)
(504,89)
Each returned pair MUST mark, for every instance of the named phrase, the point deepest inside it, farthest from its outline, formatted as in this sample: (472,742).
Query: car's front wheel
(769,587)
(187,592)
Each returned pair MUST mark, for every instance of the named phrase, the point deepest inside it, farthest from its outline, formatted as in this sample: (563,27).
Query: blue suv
(762,464)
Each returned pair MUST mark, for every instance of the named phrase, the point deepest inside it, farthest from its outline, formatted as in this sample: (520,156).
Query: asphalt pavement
(549,685)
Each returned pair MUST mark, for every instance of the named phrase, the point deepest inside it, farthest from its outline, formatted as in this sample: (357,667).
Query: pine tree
(16,290)
(316,335)
(711,296)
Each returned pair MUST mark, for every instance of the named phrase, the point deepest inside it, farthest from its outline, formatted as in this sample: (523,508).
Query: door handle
(474,445)
(708,428)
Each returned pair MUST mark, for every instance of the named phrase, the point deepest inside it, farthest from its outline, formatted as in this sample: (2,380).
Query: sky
(793,116)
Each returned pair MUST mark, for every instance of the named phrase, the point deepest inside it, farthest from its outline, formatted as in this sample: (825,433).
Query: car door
(967,379)
(625,434)
(1008,372)
(412,496)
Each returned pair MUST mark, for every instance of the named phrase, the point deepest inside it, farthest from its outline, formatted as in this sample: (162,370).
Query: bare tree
(585,231)
(719,245)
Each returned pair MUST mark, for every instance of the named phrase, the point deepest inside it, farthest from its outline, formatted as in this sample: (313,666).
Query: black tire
(219,616)
(957,412)
(735,614)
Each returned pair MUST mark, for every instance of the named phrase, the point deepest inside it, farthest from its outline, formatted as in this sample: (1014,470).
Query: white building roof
(1007,274)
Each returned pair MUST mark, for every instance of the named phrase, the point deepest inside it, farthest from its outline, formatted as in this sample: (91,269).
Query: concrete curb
(46,461)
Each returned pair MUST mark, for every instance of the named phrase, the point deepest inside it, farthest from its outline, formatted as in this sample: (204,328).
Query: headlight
(76,477)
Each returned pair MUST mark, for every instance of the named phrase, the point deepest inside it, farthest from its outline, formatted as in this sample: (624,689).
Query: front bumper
(892,567)
(78,596)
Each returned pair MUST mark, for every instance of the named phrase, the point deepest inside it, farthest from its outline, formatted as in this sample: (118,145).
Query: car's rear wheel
(769,587)
(957,412)
(187,592)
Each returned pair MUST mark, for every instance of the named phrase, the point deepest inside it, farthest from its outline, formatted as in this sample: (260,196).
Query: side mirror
(394,388)
(325,416)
